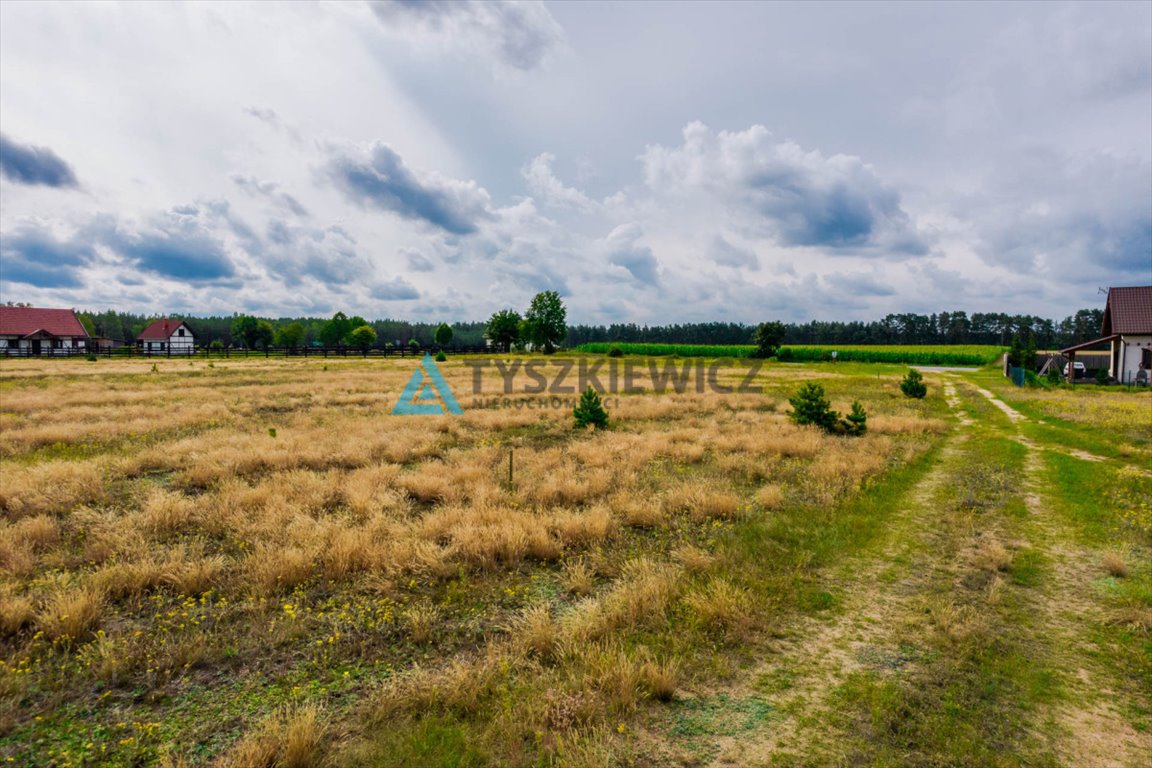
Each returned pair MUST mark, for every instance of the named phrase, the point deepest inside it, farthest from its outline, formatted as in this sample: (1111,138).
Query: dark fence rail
(205,352)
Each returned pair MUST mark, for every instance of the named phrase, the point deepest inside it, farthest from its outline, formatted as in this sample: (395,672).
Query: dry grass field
(252,563)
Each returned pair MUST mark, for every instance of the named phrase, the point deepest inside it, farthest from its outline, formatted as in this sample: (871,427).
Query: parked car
(1078,367)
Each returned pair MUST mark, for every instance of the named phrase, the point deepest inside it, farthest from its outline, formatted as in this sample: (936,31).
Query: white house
(167,337)
(35,331)
(1127,329)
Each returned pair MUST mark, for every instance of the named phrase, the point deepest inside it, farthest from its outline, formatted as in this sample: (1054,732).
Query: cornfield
(937,354)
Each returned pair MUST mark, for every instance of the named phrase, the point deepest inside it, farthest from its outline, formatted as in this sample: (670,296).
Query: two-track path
(929,575)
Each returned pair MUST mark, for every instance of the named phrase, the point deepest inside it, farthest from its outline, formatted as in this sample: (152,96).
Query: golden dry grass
(1115,565)
(722,605)
(71,613)
(141,531)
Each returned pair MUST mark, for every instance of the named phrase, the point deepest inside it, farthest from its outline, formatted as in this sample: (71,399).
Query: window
(180,332)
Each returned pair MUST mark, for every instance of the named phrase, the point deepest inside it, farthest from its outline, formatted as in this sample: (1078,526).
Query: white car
(1078,367)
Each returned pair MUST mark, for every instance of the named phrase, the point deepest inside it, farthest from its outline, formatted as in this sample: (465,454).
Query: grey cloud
(1038,219)
(858,284)
(28,164)
(175,245)
(395,290)
(293,253)
(623,250)
(264,115)
(778,190)
(518,34)
(417,262)
(383,180)
(726,254)
(270,190)
(36,257)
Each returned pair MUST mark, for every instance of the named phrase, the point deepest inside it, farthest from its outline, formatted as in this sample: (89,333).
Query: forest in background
(905,328)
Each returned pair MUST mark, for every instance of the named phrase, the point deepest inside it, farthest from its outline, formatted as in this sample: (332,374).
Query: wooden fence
(205,352)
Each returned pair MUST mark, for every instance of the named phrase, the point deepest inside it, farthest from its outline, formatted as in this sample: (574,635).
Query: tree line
(905,328)
(543,326)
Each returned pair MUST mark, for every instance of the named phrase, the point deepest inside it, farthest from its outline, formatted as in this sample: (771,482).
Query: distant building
(36,331)
(1127,329)
(167,336)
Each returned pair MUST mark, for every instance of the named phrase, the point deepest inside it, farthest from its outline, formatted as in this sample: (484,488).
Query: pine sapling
(857,421)
(809,406)
(590,410)
(913,385)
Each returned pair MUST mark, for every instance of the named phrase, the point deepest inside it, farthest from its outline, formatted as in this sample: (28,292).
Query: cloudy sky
(651,162)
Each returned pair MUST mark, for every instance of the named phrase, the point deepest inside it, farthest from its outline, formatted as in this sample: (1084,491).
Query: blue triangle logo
(427,393)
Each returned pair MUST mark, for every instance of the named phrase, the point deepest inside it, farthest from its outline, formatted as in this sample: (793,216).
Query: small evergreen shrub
(90,357)
(441,357)
(857,421)
(1053,374)
(913,384)
(810,406)
(590,410)
(615,352)
(1102,376)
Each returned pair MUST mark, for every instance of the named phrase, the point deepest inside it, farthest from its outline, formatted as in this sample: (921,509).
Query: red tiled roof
(21,321)
(1129,310)
(161,330)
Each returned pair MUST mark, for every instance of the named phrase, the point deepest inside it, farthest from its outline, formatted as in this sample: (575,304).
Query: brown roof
(1129,310)
(1089,344)
(22,321)
(162,329)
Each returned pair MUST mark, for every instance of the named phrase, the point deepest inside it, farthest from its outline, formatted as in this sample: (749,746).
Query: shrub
(809,406)
(90,357)
(590,410)
(1102,376)
(1053,374)
(414,344)
(857,421)
(615,351)
(784,354)
(913,384)
(441,357)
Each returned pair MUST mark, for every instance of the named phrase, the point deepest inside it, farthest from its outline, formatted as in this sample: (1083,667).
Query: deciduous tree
(503,329)
(546,321)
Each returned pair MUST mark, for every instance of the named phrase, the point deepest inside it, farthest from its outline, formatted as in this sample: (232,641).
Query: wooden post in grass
(510,452)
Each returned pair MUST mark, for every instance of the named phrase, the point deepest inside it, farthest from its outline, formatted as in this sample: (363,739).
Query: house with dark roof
(1127,329)
(167,336)
(39,331)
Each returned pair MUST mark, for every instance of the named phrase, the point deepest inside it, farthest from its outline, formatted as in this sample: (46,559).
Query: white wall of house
(59,346)
(1127,353)
(181,342)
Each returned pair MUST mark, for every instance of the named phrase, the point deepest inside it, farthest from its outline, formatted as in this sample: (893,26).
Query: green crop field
(926,354)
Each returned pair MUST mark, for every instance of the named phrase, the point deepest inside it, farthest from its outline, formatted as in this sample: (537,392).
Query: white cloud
(543,184)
